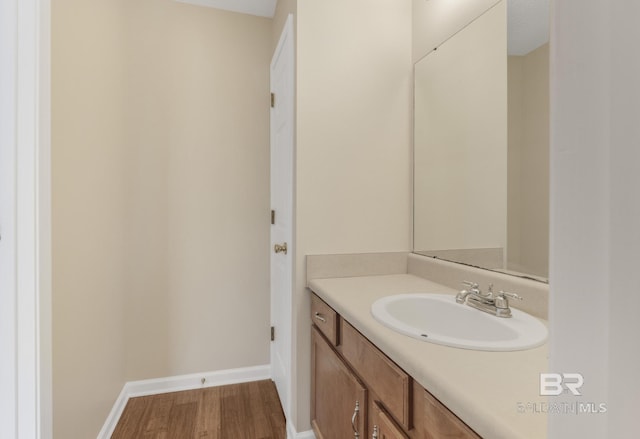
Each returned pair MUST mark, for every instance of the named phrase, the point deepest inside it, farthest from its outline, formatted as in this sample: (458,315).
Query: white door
(282,145)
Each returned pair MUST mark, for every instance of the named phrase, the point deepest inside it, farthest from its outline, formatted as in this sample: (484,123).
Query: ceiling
(528,20)
(527,25)
(261,8)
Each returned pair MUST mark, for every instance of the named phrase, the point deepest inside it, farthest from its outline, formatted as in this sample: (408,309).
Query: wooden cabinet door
(440,423)
(383,426)
(383,377)
(335,391)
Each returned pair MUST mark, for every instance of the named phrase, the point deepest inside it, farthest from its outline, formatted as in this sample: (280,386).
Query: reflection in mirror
(481,143)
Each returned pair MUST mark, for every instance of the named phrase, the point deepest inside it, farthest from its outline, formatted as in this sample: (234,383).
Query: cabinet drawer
(387,380)
(325,319)
(440,422)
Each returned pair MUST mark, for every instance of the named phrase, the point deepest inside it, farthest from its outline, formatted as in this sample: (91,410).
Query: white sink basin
(437,318)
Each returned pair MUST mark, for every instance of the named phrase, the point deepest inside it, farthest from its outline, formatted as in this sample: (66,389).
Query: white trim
(179,383)
(292,434)
(193,381)
(114,415)
(8,341)
(43,225)
(25,256)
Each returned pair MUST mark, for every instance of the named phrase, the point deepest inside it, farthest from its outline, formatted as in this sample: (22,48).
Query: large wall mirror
(481,177)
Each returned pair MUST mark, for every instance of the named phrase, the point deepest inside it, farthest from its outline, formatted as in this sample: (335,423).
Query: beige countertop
(495,393)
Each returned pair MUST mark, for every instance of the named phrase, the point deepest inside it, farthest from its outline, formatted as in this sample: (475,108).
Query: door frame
(25,219)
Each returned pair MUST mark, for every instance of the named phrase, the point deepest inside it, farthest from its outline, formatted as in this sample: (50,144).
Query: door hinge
(273,217)
(273,100)
(273,333)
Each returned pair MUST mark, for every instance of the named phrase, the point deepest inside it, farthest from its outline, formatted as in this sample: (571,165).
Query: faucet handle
(472,285)
(510,295)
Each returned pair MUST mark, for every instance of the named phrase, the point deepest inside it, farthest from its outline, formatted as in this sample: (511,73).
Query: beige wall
(160,198)
(436,20)
(528,220)
(461,139)
(198,90)
(89,217)
(354,100)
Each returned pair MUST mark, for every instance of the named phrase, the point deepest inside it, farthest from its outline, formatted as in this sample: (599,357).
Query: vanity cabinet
(383,426)
(348,370)
(440,423)
(325,319)
(389,383)
(339,399)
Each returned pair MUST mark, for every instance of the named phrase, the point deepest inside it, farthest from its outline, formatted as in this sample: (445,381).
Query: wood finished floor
(238,411)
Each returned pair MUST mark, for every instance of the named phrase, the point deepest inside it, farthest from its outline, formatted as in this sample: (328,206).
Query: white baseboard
(134,389)
(292,434)
(114,415)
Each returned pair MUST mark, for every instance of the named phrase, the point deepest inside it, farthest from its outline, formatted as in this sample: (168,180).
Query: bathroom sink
(437,318)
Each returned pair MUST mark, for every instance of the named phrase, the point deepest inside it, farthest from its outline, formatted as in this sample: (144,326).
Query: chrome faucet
(474,291)
(498,304)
